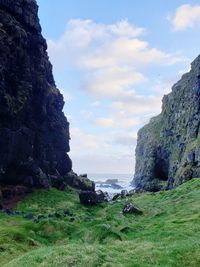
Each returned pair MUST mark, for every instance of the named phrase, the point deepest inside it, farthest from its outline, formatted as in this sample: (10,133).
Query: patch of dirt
(11,195)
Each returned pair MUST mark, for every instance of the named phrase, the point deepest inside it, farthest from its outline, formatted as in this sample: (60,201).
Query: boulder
(28,216)
(116,196)
(90,198)
(135,191)
(111,181)
(79,182)
(124,193)
(131,209)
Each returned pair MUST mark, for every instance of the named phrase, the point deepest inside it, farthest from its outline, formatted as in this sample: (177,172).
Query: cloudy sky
(113,61)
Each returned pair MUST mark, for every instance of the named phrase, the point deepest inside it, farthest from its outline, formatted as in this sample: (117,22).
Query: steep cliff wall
(168,148)
(34,133)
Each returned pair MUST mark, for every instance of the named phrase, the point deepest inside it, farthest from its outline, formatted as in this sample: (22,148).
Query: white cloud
(95,104)
(138,105)
(111,60)
(128,139)
(111,56)
(96,153)
(124,51)
(111,82)
(83,140)
(105,122)
(104,163)
(124,28)
(186,16)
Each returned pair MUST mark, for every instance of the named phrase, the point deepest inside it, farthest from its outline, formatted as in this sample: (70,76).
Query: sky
(113,60)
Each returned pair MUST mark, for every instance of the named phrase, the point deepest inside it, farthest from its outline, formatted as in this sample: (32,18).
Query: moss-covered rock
(168,148)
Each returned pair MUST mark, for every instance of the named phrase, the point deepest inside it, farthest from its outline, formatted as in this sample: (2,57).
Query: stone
(67,212)
(83,175)
(41,216)
(79,182)
(116,196)
(111,181)
(100,194)
(28,216)
(34,132)
(131,209)
(167,152)
(124,193)
(7,211)
(90,198)
(58,214)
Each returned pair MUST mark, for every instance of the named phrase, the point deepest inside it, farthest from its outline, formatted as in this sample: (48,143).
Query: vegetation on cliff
(168,148)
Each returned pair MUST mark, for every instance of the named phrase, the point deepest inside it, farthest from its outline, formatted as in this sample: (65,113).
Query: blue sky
(113,61)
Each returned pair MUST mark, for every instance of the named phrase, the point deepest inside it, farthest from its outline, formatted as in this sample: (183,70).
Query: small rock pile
(61,213)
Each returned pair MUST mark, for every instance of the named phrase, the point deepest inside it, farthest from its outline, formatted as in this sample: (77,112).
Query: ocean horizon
(102,177)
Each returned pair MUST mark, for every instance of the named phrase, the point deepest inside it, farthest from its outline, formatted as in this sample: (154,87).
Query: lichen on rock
(168,148)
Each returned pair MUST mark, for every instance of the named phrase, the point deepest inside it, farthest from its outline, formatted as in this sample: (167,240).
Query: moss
(102,235)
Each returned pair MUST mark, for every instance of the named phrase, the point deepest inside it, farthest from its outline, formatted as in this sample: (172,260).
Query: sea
(124,181)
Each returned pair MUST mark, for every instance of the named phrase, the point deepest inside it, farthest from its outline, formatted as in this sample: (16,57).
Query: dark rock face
(91,198)
(34,133)
(79,182)
(168,148)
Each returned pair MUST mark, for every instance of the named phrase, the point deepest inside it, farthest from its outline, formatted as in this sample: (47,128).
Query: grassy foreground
(167,234)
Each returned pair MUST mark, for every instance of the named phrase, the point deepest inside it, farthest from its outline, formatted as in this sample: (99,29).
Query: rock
(167,152)
(34,132)
(79,182)
(107,197)
(29,216)
(135,191)
(8,211)
(58,214)
(100,194)
(131,192)
(131,209)
(18,212)
(1,200)
(116,186)
(90,198)
(111,181)
(41,216)
(116,196)
(67,212)
(83,175)
(124,193)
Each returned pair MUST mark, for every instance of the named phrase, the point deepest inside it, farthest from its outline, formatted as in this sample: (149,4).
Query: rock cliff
(168,148)
(34,133)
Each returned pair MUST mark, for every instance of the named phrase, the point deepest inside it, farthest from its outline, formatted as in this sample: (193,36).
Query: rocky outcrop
(168,148)
(34,133)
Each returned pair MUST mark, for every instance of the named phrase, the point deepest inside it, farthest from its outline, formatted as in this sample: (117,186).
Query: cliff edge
(168,148)
(34,132)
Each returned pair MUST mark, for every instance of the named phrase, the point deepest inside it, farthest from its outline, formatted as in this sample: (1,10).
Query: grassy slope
(167,234)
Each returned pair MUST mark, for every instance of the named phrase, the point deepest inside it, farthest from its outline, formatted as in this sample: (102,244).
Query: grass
(166,234)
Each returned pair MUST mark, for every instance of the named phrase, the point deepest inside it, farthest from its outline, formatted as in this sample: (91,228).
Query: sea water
(124,180)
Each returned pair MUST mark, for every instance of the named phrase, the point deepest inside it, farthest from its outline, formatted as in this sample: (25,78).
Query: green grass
(166,234)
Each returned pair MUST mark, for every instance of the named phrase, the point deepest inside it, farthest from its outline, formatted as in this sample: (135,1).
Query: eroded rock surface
(34,133)
(168,148)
